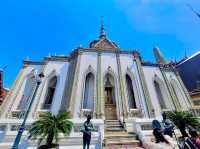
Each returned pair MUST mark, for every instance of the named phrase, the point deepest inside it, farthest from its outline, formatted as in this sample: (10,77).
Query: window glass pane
(159,95)
(27,93)
(89,92)
(130,93)
(50,93)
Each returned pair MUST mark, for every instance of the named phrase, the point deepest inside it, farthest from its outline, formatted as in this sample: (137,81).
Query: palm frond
(183,117)
(51,124)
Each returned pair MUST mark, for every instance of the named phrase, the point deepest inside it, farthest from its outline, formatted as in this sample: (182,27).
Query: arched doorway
(109,98)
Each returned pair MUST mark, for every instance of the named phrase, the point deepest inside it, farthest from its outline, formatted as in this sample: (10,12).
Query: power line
(194,11)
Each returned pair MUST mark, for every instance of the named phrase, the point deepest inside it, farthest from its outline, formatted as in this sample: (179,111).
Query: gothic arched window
(159,95)
(88,101)
(130,93)
(50,93)
(27,93)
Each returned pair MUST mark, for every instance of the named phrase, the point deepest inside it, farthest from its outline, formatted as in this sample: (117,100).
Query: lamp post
(22,127)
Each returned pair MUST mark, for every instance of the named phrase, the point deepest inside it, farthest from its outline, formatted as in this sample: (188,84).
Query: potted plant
(48,127)
(182,119)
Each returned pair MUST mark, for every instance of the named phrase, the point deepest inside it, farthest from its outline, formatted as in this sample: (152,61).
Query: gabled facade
(104,81)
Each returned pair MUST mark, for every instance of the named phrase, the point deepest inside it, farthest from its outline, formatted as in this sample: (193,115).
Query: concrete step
(132,143)
(119,134)
(114,129)
(128,137)
(123,147)
(111,120)
(119,137)
(113,125)
(121,140)
(114,122)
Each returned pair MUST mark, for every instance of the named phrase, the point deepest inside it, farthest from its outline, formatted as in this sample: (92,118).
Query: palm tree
(49,126)
(182,118)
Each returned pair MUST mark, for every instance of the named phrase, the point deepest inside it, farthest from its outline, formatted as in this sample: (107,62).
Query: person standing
(87,129)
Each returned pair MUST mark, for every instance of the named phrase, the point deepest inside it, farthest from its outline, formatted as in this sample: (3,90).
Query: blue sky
(35,28)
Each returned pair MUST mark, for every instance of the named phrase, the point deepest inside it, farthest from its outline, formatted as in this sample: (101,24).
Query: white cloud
(171,17)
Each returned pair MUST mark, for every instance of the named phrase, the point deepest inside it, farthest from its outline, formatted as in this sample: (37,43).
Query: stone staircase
(116,137)
(113,125)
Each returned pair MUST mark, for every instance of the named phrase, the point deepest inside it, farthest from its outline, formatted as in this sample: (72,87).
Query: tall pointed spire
(103,42)
(102,30)
(158,55)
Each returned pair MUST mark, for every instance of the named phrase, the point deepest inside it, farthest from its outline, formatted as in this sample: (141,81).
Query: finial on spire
(185,55)
(102,31)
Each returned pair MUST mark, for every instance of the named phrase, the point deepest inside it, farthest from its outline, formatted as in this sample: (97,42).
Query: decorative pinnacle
(185,55)
(102,30)
(158,55)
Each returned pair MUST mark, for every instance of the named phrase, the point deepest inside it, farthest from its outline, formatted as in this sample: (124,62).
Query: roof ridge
(193,55)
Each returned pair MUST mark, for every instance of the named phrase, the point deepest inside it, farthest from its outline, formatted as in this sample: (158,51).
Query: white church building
(103,80)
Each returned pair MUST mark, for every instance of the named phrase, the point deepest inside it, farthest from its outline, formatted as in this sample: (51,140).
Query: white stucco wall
(53,68)
(129,67)
(150,72)
(87,59)
(15,95)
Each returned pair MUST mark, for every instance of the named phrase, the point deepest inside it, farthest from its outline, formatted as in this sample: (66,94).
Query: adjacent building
(3,91)
(190,73)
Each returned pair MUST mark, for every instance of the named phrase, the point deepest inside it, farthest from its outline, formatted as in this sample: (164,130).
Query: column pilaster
(68,85)
(173,98)
(36,104)
(144,85)
(122,87)
(75,79)
(10,98)
(100,100)
(184,89)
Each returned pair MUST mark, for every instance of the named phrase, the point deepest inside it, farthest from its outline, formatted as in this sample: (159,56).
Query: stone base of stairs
(125,147)
(116,137)
(120,140)
(113,125)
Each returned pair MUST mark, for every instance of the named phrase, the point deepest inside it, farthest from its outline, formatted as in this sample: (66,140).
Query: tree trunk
(182,130)
(53,146)
(50,139)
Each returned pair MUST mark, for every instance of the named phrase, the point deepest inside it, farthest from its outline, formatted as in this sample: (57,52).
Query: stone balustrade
(9,127)
(86,112)
(135,113)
